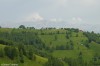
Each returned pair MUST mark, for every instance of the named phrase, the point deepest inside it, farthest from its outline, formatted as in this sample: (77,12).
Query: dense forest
(49,47)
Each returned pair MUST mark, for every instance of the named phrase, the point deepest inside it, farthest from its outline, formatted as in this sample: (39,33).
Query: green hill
(49,46)
(39,60)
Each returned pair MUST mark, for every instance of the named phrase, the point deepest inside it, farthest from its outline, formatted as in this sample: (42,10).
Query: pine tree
(21,57)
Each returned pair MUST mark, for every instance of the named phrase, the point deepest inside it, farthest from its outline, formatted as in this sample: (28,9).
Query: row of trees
(16,36)
(14,53)
(92,37)
(23,27)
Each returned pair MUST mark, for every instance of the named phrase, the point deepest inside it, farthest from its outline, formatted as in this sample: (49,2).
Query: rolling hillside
(38,46)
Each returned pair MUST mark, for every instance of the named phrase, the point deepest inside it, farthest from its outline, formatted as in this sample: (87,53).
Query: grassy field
(88,54)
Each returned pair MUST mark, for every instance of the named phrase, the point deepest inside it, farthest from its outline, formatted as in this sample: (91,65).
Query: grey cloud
(13,11)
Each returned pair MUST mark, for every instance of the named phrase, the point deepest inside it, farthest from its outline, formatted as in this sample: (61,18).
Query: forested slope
(49,47)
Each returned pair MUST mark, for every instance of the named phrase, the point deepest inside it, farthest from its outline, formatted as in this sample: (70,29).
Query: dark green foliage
(96,60)
(80,57)
(68,46)
(86,43)
(54,62)
(22,27)
(30,54)
(72,30)
(1,53)
(41,53)
(67,36)
(21,57)
(21,47)
(11,52)
(71,45)
(96,57)
(58,32)
(75,62)
(6,42)
(92,37)
(62,47)
(30,28)
(18,36)
(55,37)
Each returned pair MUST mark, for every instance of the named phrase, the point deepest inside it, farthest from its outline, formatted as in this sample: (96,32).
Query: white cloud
(76,20)
(56,20)
(34,17)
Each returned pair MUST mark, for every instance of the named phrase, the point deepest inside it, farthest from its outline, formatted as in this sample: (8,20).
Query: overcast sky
(82,14)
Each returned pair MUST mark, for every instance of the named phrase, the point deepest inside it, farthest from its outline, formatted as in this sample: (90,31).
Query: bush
(11,52)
